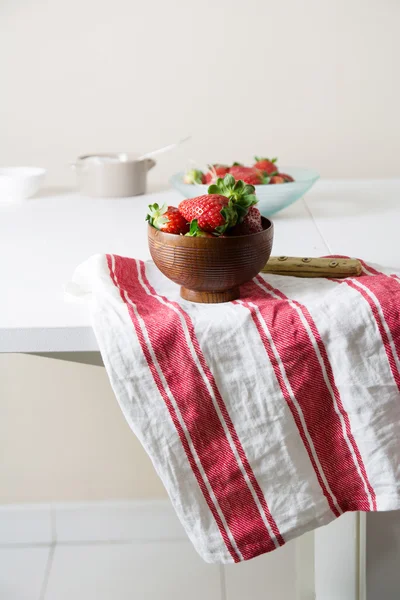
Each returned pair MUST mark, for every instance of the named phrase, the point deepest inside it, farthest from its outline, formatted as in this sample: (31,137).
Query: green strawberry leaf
(226,213)
(251,199)
(241,213)
(249,189)
(243,205)
(239,186)
(247,200)
(230,215)
(194,229)
(223,186)
(229,180)
(234,190)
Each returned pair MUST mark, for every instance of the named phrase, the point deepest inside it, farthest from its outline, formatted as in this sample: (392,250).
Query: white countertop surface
(44,239)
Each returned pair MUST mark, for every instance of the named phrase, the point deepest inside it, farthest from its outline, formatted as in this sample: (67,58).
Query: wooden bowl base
(210,297)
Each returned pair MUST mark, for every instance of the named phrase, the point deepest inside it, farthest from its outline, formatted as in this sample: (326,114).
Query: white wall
(63,436)
(314,82)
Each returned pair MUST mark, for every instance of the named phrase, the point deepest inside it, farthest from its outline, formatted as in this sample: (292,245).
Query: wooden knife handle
(313,267)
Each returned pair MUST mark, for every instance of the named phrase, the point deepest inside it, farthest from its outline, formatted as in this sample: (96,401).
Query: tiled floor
(23,572)
(129,571)
(100,553)
(135,571)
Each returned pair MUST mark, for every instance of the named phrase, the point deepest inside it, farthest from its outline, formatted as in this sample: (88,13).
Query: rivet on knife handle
(313,267)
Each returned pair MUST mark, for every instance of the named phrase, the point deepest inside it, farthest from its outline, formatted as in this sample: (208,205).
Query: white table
(43,240)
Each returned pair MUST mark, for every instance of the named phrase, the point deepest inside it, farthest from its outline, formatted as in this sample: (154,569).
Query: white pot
(112,175)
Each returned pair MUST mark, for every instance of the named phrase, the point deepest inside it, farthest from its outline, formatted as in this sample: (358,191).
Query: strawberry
(216,171)
(287,178)
(194,176)
(265,165)
(277,179)
(167,219)
(248,175)
(213,212)
(250,224)
(226,203)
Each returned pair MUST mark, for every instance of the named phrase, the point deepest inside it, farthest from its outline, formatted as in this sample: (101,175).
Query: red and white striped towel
(265,417)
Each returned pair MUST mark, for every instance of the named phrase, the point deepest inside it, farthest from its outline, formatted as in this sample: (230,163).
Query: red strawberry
(194,176)
(167,219)
(212,212)
(247,174)
(226,203)
(277,179)
(251,223)
(216,171)
(287,178)
(265,165)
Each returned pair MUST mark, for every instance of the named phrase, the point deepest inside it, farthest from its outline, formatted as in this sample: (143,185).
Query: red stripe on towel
(357,458)
(254,310)
(199,415)
(225,414)
(379,292)
(172,412)
(370,270)
(314,411)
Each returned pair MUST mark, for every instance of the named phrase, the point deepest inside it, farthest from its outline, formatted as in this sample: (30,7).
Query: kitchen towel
(265,417)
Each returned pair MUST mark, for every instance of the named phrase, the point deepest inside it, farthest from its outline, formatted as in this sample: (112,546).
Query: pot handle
(150,163)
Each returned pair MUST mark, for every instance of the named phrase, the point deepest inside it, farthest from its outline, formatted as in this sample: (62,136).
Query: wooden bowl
(211,269)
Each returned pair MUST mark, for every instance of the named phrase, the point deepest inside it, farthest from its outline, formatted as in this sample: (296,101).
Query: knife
(313,267)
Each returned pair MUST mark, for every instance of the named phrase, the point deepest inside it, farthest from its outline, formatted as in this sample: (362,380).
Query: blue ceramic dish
(271,198)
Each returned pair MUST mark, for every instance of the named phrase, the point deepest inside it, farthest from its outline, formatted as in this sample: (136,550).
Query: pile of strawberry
(228,209)
(264,171)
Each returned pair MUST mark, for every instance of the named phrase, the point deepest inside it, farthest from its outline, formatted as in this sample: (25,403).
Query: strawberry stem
(195,230)
(260,159)
(193,176)
(155,215)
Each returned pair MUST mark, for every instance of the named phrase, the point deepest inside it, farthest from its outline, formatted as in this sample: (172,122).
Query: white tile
(22,572)
(268,577)
(152,520)
(132,571)
(25,524)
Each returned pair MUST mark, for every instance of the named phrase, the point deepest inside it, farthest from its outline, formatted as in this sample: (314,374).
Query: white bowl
(271,198)
(19,183)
